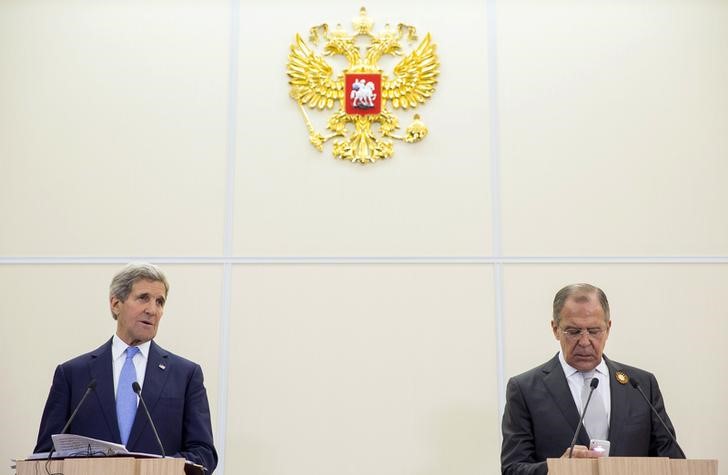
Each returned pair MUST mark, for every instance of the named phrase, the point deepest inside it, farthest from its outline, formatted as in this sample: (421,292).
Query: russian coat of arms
(363,94)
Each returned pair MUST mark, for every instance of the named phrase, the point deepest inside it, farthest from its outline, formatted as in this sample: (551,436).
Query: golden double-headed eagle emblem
(363,94)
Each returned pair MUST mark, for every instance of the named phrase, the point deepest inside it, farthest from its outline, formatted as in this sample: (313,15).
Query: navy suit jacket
(173,390)
(541,417)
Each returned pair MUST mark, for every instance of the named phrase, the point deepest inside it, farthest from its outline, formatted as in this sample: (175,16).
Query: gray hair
(133,272)
(579,289)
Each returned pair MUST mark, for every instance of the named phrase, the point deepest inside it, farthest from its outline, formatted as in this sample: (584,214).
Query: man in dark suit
(172,386)
(543,405)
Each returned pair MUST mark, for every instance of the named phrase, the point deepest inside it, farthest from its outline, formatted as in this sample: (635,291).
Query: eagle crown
(339,42)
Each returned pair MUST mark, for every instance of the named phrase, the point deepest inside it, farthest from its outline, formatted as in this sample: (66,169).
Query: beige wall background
(350,319)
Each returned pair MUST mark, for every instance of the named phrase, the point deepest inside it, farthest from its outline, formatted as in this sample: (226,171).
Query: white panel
(431,198)
(362,369)
(112,127)
(667,319)
(614,120)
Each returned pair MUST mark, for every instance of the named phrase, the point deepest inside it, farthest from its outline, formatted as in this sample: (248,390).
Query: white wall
(364,319)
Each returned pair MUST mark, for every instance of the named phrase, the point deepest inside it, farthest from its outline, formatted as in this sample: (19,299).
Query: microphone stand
(593,385)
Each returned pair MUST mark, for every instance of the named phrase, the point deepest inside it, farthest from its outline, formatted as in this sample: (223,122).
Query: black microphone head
(135,386)
(634,383)
(92,384)
(594,383)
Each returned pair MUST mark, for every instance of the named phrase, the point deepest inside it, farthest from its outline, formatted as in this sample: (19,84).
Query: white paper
(72,445)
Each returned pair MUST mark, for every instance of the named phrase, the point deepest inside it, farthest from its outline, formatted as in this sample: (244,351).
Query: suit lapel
(101,368)
(155,378)
(618,415)
(558,388)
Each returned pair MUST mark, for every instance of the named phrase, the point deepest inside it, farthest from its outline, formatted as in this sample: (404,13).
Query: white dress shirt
(118,356)
(575,379)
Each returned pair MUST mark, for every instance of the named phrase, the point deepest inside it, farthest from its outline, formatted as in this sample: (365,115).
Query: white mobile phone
(601,446)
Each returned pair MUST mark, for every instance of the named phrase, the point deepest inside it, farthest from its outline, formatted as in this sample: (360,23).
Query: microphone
(593,385)
(91,386)
(138,390)
(637,386)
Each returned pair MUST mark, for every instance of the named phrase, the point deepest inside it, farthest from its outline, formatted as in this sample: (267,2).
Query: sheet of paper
(72,445)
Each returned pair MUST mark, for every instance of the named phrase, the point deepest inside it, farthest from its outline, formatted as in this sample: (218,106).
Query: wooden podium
(109,466)
(631,466)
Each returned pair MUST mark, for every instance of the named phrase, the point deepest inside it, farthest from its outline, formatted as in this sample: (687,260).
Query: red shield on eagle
(363,93)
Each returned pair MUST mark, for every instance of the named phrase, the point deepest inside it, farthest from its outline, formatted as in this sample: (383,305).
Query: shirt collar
(569,370)
(118,347)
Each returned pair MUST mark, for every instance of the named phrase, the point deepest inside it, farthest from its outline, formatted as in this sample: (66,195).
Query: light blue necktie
(126,398)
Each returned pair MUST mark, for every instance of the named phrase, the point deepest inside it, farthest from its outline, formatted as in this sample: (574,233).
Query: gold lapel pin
(161,366)
(621,377)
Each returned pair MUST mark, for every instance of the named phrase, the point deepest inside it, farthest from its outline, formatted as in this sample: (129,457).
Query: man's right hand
(582,452)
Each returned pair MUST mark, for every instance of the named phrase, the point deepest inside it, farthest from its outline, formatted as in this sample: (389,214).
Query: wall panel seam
(242,260)
(226,291)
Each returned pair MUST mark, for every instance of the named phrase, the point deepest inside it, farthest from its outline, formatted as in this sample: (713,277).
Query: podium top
(114,465)
(631,465)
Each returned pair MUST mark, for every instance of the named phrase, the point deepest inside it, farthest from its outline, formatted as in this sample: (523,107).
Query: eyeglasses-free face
(582,331)
(137,318)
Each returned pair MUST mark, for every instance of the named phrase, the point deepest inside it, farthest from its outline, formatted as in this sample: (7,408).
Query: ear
(114,304)
(555,329)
